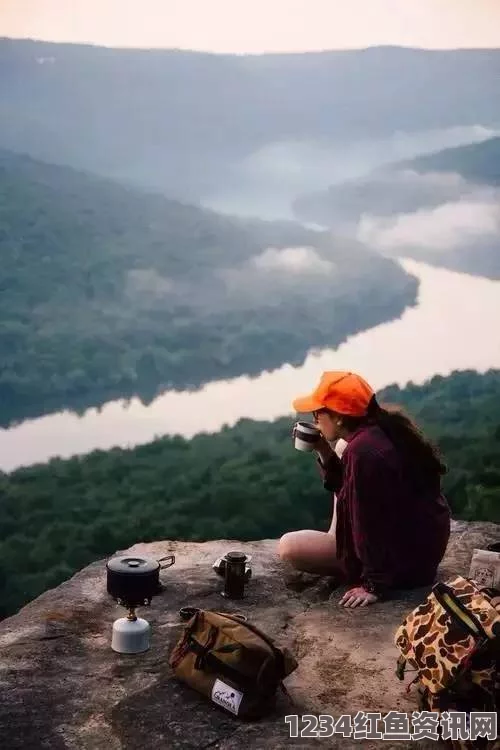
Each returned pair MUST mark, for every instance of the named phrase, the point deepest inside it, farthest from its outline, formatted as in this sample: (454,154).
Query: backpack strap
(400,668)
(450,602)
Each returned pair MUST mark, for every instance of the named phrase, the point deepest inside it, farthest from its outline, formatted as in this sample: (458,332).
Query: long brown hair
(420,456)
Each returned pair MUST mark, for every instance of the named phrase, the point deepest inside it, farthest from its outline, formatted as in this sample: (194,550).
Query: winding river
(455,326)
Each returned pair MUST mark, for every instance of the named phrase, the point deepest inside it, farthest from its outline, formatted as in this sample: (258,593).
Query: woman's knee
(309,551)
(295,546)
(287,546)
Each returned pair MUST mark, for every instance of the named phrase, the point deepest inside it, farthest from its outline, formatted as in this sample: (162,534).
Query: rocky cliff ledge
(63,688)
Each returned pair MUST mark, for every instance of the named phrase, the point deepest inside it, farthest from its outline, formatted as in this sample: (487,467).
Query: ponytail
(419,455)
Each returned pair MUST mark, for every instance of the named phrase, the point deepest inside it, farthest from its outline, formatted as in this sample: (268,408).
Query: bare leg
(310,551)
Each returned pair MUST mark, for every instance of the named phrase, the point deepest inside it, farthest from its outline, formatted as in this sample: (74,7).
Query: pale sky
(256,25)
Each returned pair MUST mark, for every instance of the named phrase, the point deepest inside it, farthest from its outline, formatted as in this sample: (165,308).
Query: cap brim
(306,404)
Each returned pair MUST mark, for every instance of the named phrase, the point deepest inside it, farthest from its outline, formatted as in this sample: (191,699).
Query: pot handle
(168,557)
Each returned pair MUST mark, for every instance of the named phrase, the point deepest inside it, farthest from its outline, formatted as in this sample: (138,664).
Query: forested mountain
(242,483)
(189,123)
(397,189)
(479,162)
(109,292)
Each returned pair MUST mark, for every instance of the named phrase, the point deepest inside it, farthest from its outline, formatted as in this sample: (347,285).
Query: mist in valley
(462,234)
(269,181)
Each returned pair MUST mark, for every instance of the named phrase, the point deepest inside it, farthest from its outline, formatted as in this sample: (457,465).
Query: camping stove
(132,582)
(131,634)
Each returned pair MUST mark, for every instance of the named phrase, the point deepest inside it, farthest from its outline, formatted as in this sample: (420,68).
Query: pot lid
(133,565)
(236,557)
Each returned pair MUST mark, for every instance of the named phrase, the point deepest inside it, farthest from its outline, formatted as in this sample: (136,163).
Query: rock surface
(63,688)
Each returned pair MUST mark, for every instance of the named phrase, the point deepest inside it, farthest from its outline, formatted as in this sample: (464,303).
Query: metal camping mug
(306,436)
(234,575)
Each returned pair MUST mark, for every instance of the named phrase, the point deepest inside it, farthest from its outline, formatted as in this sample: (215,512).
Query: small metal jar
(234,568)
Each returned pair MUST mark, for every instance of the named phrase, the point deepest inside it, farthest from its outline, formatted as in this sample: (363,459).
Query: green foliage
(242,483)
(108,292)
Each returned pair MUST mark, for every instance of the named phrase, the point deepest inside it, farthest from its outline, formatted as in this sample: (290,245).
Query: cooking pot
(133,581)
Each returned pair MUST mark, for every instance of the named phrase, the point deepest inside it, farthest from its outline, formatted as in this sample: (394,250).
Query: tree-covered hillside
(479,162)
(107,292)
(243,483)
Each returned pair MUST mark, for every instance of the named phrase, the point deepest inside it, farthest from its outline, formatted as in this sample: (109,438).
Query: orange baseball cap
(342,392)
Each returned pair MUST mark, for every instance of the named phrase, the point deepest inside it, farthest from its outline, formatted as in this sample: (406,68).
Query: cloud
(147,283)
(450,226)
(272,276)
(291,260)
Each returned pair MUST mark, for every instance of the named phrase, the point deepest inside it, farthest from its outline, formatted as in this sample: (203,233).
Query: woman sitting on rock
(392,523)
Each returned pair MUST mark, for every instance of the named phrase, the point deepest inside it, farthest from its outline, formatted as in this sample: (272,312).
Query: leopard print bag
(452,643)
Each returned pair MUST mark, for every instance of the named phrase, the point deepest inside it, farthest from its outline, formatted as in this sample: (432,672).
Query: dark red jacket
(390,533)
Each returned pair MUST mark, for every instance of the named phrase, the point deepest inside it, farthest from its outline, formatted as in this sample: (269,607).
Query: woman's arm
(330,467)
